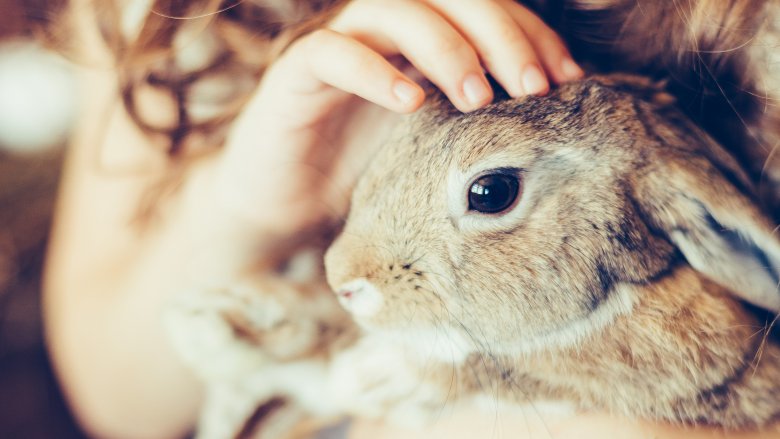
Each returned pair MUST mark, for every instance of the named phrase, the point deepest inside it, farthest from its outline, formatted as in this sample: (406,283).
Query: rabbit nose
(360,297)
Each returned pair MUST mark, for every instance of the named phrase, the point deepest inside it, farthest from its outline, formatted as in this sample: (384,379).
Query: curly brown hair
(242,38)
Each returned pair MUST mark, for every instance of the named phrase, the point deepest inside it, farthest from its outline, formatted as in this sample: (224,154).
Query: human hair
(237,40)
(201,58)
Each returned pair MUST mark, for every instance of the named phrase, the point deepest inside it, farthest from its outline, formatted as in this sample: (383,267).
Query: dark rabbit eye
(493,193)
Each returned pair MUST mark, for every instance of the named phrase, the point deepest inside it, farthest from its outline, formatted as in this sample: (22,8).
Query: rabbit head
(534,222)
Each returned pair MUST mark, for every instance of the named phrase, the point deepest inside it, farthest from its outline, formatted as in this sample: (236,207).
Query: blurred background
(37,107)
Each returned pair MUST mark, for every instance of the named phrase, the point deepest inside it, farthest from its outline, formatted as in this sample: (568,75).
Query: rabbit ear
(708,212)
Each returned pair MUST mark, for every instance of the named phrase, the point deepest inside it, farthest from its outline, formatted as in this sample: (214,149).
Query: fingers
(502,44)
(359,70)
(452,41)
(515,45)
(428,41)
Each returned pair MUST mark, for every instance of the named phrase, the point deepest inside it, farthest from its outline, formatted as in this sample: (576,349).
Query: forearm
(105,287)
(531,422)
(108,278)
(114,363)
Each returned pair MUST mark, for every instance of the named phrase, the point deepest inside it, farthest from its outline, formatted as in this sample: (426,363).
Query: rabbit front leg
(223,333)
(235,337)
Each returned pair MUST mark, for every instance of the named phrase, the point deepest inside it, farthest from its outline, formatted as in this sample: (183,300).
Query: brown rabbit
(589,246)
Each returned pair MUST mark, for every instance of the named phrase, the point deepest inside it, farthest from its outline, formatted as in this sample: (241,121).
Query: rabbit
(591,246)
(610,273)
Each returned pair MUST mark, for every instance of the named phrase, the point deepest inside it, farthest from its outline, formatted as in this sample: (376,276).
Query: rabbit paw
(219,332)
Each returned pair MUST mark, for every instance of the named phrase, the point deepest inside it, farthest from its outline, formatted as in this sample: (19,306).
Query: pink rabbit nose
(351,290)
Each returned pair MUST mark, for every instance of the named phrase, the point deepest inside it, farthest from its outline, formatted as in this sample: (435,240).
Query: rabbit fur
(615,270)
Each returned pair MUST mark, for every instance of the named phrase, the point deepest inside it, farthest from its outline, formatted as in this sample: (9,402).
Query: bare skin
(468,424)
(108,280)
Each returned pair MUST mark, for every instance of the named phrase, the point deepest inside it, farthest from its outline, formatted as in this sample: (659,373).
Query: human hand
(451,42)
(284,163)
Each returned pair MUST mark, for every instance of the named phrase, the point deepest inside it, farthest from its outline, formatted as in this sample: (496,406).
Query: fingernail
(570,69)
(476,89)
(405,92)
(534,81)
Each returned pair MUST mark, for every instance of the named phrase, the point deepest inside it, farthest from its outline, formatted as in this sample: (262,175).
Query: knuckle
(367,69)
(512,39)
(550,38)
(318,36)
(311,44)
(552,50)
(511,34)
(451,48)
(349,14)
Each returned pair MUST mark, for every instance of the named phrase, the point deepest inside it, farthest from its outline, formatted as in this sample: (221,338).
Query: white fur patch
(431,343)
(365,300)
(306,381)
(533,417)
(208,345)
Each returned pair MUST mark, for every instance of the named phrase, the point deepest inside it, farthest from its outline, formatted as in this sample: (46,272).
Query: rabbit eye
(493,193)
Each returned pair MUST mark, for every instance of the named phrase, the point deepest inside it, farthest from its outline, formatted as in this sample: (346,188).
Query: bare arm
(105,281)
(531,424)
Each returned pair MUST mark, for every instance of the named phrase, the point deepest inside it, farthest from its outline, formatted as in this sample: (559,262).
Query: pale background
(36,108)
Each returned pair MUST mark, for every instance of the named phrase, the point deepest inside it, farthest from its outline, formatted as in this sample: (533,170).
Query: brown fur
(720,57)
(609,168)
(686,355)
